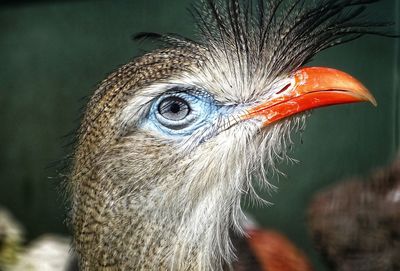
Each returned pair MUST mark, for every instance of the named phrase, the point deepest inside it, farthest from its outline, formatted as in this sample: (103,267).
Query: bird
(356,223)
(170,142)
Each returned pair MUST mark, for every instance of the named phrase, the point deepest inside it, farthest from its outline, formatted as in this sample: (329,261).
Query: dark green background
(54,53)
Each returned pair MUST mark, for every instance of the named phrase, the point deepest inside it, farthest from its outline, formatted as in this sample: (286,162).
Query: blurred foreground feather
(356,224)
(47,253)
(11,238)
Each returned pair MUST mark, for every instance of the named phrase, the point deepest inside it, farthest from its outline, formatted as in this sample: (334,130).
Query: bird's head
(171,141)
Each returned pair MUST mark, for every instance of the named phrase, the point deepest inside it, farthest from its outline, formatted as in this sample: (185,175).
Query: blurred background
(53,53)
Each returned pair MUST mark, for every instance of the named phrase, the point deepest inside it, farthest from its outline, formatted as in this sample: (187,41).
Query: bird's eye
(175,112)
(174,108)
(180,111)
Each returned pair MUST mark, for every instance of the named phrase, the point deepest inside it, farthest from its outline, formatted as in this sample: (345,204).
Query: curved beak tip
(373,101)
(313,87)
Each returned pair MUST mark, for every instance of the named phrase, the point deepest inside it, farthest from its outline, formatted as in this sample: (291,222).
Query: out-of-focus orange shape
(275,252)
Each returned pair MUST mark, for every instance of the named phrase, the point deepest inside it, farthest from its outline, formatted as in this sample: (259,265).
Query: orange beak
(311,87)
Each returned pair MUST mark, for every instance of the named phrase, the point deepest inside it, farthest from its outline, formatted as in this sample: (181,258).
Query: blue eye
(181,110)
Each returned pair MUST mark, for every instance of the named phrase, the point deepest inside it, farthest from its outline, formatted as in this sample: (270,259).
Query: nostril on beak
(284,88)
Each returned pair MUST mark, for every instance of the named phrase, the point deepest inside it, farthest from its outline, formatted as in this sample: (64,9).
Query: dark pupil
(175,108)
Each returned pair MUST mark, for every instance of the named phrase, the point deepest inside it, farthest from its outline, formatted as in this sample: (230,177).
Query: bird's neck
(145,229)
(145,213)
(178,236)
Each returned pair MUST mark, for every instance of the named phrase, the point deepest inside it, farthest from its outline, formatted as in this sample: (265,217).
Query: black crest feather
(279,36)
(271,38)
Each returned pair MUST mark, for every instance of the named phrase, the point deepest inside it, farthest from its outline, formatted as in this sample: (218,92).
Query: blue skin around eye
(202,105)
